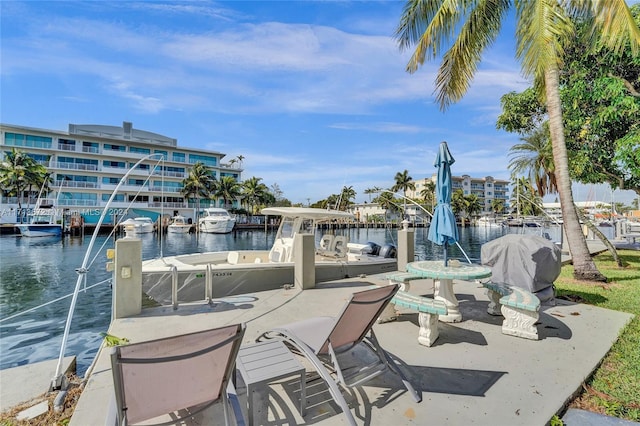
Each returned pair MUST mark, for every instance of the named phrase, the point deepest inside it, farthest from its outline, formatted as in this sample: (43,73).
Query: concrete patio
(473,374)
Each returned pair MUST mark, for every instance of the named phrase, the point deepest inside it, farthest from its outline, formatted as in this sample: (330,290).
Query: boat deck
(473,374)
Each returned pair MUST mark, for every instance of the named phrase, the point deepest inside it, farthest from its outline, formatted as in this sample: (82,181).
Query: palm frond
(615,25)
(543,25)
(461,61)
(429,24)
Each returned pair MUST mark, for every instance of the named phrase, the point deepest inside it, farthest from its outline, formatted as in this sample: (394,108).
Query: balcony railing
(66,147)
(74,166)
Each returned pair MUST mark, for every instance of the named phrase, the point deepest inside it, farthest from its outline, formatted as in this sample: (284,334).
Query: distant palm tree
(18,172)
(240,159)
(543,27)
(459,204)
(525,199)
(253,191)
(370,191)
(428,194)
(534,157)
(497,205)
(228,189)
(347,194)
(198,184)
(403,182)
(473,205)
(386,201)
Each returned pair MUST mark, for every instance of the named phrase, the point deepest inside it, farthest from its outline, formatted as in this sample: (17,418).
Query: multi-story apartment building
(87,162)
(487,189)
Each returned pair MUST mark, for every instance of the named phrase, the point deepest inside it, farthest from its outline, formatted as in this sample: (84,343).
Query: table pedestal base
(444,292)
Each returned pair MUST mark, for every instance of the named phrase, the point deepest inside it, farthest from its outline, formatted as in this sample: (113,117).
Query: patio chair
(180,375)
(325,340)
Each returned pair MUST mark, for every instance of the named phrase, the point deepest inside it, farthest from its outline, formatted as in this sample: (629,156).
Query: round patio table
(443,277)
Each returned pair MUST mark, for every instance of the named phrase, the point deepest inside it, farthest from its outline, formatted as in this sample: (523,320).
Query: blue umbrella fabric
(443,230)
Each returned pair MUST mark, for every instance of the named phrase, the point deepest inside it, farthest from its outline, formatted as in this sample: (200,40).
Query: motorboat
(216,221)
(139,225)
(179,225)
(44,221)
(489,222)
(219,274)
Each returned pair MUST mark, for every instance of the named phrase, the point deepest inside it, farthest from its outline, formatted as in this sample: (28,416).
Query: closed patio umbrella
(443,230)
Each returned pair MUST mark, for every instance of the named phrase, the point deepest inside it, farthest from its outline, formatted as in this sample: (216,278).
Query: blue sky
(314,95)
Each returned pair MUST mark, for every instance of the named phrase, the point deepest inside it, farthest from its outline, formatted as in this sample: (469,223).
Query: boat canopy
(307,212)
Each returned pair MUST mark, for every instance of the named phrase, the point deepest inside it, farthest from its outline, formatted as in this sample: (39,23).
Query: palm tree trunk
(601,237)
(584,266)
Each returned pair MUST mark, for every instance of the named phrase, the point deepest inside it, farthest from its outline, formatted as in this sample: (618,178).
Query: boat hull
(217,227)
(178,229)
(40,230)
(228,279)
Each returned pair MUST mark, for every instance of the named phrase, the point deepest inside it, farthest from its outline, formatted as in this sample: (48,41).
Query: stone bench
(403,279)
(519,307)
(428,310)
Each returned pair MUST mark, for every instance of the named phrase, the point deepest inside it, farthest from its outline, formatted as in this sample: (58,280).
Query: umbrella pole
(445,254)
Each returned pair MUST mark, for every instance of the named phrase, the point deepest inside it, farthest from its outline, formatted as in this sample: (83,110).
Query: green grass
(614,389)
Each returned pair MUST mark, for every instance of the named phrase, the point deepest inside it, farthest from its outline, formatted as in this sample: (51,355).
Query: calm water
(36,271)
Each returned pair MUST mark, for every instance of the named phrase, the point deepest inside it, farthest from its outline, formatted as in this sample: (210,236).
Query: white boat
(139,225)
(44,221)
(489,222)
(179,225)
(216,221)
(227,273)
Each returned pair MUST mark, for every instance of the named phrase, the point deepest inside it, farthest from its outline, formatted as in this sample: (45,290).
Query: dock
(473,374)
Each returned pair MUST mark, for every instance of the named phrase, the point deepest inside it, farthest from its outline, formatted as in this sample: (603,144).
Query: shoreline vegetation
(613,388)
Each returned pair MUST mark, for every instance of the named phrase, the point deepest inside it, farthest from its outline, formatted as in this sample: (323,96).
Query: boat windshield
(287,228)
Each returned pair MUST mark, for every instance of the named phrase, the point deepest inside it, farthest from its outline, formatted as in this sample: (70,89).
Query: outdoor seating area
(472,364)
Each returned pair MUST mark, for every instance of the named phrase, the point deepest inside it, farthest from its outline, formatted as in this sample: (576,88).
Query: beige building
(487,189)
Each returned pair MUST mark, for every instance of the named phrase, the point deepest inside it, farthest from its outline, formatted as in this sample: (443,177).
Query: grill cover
(526,261)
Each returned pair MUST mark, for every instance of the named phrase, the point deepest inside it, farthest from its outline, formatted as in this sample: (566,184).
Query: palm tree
(240,158)
(199,183)
(543,28)
(18,172)
(526,200)
(370,191)
(428,193)
(347,194)
(459,204)
(473,204)
(253,191)
(534,157)
(403,182)
(386,201)
(228,189)
(497,205)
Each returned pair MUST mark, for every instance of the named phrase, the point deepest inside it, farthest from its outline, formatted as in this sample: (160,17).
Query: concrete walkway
(473,374)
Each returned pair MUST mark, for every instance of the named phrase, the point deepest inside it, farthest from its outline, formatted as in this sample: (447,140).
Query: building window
(118,197)
(90,147)
(139,150)
(110,180)
(180,157)
(205,159)
(110,147)
(165,154)
(18,139)
(115,164)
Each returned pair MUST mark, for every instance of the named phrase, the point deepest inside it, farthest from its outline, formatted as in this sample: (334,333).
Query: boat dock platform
(473,374)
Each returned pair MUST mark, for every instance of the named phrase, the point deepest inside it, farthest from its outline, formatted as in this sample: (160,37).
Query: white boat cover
(526,261)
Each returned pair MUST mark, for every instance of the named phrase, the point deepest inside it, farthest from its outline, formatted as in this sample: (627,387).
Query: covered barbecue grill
(526,261)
